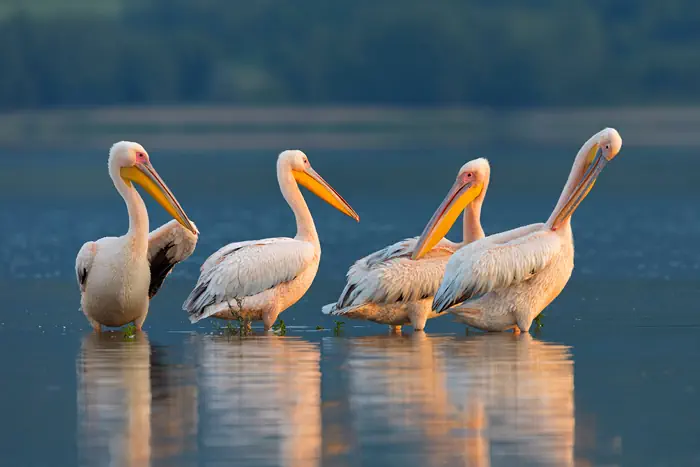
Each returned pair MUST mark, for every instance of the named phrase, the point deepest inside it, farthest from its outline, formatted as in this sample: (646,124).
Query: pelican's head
(131,162)
(600,149)
(301,170)
(472,181)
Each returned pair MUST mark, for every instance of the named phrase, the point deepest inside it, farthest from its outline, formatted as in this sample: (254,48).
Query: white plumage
(388,287)
(117,276)
(497,262)
(257,280)
(167,246)
(505,280)
(244,270)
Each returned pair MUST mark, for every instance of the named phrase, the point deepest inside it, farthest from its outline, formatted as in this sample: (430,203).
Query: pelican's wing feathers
(390,275)
(167,246)
(496,262)
(226,250)
(245,269)
(83,263)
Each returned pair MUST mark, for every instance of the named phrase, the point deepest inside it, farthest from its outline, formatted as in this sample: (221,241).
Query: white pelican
(258,279)
(119,275)
(387,287)
(505,280)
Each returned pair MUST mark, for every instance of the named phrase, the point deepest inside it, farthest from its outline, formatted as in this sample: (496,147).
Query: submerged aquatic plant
(240,327)
(129,331)
(338,327)
(320,328)
(538,320)
(280,328)
(244,327)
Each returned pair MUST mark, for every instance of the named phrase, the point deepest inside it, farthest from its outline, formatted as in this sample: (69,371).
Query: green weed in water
(244,327)
(538,320)
(338,327)
(240,327)
(129,331)
(320,328)
(280,328)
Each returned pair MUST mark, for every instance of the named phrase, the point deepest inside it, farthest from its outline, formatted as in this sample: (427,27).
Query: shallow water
(611,378)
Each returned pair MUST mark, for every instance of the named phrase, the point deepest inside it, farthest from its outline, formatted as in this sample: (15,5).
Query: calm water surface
(611,379)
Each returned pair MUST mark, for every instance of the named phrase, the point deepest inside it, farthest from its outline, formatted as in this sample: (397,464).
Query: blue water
(610,379)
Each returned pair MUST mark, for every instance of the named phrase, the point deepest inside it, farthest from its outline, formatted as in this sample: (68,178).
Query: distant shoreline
(367,127)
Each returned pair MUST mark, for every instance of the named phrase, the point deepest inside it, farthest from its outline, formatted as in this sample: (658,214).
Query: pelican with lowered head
(118,276)
(388,287)
(258,279)
(505,280)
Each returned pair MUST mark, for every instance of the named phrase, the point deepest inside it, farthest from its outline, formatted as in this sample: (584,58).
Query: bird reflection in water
(133,408)
(260,400)
(485,400)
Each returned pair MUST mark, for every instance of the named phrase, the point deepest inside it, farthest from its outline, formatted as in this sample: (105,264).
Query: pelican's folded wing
(167,246)
(216,257)
(491,264)
(83,263)
(245,269)
(390,275)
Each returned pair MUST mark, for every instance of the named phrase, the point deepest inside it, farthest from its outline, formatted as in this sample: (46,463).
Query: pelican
(505,280)
(258,279)
(387,287)
(119,275)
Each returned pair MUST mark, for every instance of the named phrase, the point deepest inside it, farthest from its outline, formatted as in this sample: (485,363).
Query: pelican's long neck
(138,215)
(471,219)
(306,229)
(574,176)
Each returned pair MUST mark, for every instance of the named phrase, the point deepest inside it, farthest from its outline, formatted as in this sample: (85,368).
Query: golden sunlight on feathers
(118,276)
(388,287)
(257,280)
(505,280)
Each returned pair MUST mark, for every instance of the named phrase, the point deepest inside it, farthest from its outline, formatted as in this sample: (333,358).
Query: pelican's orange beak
(146,176)
(596,163)
(464,191)
(318,186)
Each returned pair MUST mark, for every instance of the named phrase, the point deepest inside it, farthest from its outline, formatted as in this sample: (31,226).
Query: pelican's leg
(269,318)
(138,322)
(394,329)
(524,321)
(96,327)
(418,314)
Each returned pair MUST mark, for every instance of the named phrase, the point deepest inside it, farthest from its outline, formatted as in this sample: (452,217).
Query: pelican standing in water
(387,287)
(505,280)
(258,279)
(119,275)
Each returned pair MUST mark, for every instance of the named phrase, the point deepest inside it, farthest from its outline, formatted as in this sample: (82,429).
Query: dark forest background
(497,53)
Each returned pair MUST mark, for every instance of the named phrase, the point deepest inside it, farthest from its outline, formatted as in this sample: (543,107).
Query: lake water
(610,379)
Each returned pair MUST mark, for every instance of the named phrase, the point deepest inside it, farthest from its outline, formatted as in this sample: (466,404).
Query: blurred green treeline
(496,53)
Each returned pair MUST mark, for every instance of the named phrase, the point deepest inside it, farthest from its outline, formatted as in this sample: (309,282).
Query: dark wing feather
(160,268)
(167,246)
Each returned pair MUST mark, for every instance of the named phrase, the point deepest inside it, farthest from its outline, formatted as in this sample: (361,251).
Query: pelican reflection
(260,399)
(486,400)
(133,408)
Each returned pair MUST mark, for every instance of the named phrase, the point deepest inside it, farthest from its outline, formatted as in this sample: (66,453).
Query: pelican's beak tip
(193,228)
